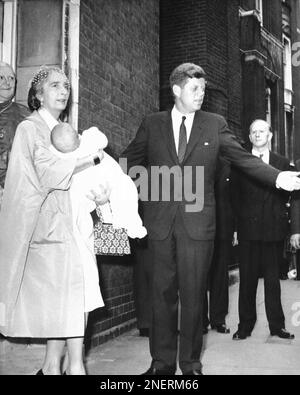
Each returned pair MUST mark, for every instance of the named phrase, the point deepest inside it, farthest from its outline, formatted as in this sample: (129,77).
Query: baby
(119,196)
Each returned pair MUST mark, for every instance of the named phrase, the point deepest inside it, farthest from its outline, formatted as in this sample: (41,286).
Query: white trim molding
(73,57)
(8,50)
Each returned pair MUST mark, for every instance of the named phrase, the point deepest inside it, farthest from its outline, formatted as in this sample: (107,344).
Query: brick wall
(182,39)
(119,66)
(205,32)
(119,84)
(234,72)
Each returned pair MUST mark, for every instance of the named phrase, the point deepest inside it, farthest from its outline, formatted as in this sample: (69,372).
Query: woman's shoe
(40,373)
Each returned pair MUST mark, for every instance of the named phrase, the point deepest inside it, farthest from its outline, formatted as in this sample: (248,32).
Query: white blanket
(122,208)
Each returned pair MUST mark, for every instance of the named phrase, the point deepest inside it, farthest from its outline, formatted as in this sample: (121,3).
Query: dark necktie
(182,141)
(261,156)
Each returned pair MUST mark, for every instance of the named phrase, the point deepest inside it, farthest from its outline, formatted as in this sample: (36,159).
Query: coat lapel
(272,162)
(197,128)
(167,132)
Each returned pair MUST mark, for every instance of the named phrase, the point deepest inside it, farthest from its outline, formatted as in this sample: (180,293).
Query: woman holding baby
(42,292)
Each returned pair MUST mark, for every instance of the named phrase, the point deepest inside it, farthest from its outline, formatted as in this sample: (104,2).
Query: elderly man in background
(11,114)
(262,226)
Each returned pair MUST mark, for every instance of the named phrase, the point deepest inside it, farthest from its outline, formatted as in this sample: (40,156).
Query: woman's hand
(99,195)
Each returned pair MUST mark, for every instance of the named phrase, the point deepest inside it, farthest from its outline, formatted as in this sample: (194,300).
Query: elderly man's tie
(182,141)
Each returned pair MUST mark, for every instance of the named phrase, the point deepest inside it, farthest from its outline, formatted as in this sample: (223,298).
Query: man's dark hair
(182,73)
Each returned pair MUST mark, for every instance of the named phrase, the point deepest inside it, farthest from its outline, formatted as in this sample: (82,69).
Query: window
(41,32)
(289,135)
(288,97)
(8,31)
(269,105)
(287,65)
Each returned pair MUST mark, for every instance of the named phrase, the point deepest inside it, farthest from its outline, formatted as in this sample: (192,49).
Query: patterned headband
(43,73)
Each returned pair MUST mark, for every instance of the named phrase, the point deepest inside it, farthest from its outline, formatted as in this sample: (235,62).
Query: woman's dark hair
(32,101)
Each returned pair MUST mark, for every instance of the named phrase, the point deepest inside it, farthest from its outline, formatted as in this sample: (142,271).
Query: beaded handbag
(108,240)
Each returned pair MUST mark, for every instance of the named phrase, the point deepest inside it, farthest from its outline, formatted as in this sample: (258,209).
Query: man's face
(7,83)
(260,134)
(190,97)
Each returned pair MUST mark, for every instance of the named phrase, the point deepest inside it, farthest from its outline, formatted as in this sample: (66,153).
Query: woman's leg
(73,362)
(75,356)
(54,351)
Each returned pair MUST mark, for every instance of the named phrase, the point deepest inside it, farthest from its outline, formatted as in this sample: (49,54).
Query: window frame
(70,45)
(288,70)
(9,44)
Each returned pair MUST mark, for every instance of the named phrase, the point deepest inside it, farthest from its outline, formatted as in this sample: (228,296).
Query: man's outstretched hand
(288,180)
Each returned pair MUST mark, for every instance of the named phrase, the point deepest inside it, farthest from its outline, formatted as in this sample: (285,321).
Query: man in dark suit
(223,253)
(181,226)
(262,225)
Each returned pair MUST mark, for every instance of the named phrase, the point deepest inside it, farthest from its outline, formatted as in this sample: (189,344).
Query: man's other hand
(295,241)
(288,180)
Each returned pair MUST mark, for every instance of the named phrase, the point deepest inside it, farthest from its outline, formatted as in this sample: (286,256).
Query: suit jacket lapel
(272,162)
(168,134)
(197,128)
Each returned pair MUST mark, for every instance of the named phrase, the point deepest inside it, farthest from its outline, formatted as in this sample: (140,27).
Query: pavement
(128,354)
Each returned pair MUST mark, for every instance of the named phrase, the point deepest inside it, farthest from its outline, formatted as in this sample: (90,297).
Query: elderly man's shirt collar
(265,155)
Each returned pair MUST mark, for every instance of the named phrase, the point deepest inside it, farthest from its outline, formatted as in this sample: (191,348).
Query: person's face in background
(189,98)
(55,93)
(7,83)
(260,135)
